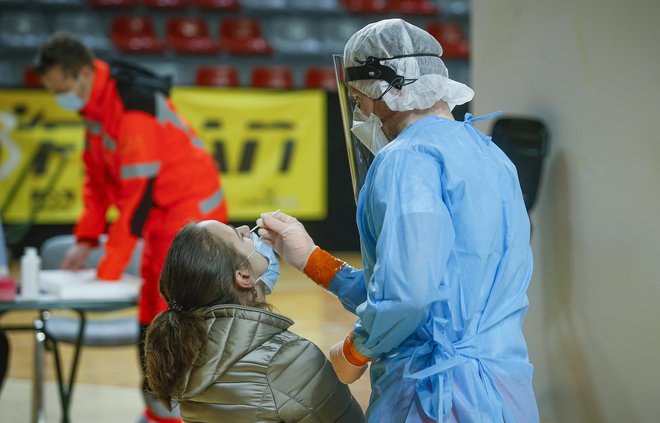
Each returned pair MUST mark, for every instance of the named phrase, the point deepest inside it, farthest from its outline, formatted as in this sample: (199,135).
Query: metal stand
(38,412)
(66,387)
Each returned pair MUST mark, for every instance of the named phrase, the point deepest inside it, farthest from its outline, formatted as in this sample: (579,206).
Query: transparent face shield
(359,156)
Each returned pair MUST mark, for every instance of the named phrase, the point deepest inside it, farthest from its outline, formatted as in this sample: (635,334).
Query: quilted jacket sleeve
(306,388)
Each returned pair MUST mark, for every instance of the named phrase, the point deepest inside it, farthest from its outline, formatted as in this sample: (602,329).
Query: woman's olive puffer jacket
(255,370)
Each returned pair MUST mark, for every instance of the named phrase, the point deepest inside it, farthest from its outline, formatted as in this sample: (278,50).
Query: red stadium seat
(321,77)
(190,35)
(413,7)
(31,78)
(451,37)
(272,77)
(217,76)
(167,4)
(365,6)
(218,4)
(135,34)
(114,3)
(243,36)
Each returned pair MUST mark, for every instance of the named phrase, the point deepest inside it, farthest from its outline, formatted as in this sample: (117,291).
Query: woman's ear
(244,231)
(243,279)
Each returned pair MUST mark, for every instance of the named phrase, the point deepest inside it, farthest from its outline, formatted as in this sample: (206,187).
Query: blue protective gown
(442,295)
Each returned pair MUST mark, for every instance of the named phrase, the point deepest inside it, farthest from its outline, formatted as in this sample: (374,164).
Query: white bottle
(30,267)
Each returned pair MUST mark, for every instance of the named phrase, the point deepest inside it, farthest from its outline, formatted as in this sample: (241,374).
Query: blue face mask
(70,101)
(272,273)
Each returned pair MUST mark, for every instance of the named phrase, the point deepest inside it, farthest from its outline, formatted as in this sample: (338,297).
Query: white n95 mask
(369,130)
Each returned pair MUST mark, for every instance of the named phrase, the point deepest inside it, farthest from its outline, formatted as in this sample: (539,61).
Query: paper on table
(82,284)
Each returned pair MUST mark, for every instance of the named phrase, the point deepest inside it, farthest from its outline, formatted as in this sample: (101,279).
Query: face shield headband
(373,69)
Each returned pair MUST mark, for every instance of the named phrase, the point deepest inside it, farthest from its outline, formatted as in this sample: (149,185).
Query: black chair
(525,141)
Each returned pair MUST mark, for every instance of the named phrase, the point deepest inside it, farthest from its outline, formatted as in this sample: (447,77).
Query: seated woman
(221,353)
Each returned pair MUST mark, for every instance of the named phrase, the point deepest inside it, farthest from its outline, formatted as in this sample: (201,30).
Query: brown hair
(198,272)
(63,49)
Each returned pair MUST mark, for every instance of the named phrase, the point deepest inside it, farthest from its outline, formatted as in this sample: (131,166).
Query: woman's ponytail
(198,273)
(175,340)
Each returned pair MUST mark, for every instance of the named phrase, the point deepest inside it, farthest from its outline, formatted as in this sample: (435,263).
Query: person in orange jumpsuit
(141,157)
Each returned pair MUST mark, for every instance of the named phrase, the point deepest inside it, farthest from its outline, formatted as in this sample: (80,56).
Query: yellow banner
(270,146)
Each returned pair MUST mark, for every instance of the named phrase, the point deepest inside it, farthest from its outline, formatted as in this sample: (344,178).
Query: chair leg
(38,412)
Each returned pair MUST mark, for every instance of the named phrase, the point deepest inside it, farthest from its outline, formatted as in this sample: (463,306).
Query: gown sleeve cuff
(352,354)
(92,242)
(322,266)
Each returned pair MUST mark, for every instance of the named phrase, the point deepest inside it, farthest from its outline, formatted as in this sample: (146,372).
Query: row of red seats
(239,36)
(413,7)
(206,4)
(418,7)
(273,76)
(189,35)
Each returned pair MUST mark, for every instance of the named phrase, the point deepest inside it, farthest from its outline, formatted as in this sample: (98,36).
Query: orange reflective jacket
(139,154)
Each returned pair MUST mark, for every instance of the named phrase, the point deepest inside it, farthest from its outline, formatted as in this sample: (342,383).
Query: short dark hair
(65,50)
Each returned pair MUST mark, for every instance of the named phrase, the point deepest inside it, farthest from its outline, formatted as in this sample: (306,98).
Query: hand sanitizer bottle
(30,266)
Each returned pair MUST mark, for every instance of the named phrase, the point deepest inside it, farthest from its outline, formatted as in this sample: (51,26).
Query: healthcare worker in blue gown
(444,240)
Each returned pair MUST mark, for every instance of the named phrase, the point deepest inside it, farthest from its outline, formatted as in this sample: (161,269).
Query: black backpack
(128,75)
